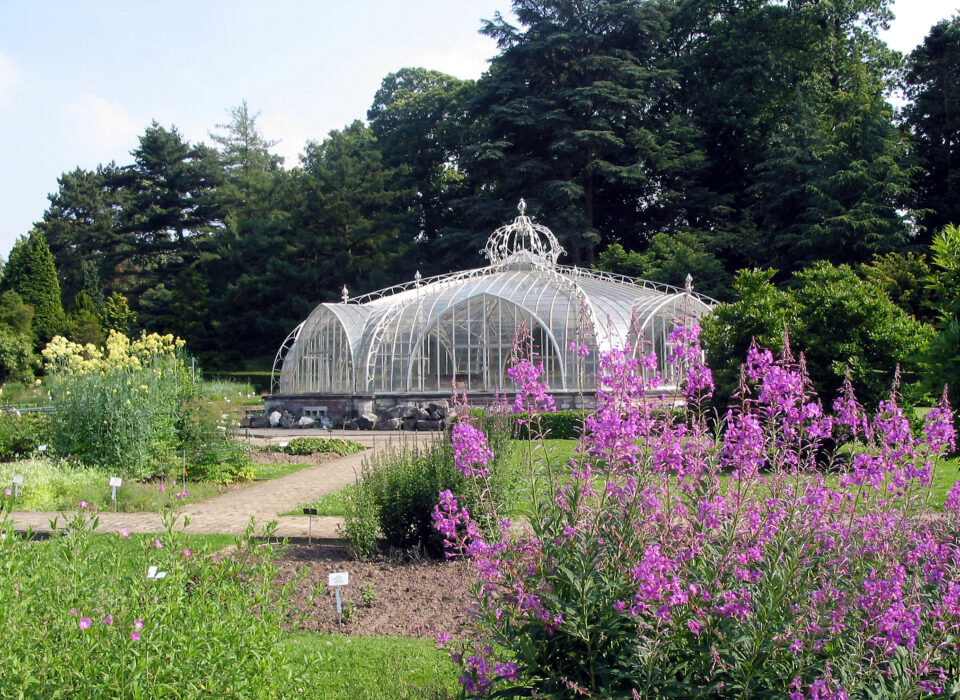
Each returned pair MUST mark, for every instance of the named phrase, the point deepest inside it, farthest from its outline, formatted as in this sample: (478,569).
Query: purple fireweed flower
(687,359)
(108,620)
(442,639)
(532,396)
(470,451)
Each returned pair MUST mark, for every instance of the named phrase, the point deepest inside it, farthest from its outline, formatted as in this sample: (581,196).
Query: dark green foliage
(759,311)
(846,324)
(31,273)
(932,118)
(562,425)
(17,359)
(942,359)
(21,435)
(669,259)
(312,445)
(84,324)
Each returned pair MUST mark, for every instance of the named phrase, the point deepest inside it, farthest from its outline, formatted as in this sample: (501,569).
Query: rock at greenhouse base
(428,425)
(255,420)
(366,421)
(274,419)
(306,422)
(389,424)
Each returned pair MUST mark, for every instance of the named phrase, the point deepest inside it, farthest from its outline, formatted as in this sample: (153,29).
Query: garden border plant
(652,576)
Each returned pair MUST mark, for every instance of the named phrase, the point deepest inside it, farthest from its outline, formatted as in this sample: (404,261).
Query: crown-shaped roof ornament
(523,235)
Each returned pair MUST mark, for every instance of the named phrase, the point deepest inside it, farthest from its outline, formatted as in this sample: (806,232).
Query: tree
(82,227)
(17,358)
(84,324)
(847,324)
(171,210)
(932,117)
(117,315)
(759,312)
(31,273)
(421,122)
(943,357)
(905,278)
(669,259)
(562,115)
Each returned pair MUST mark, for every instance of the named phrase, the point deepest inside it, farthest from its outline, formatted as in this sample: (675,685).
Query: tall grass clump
(396,492)
(94,617)
(814,568)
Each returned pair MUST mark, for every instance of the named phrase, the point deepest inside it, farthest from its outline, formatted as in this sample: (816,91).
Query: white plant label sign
(115,481)
(341,578)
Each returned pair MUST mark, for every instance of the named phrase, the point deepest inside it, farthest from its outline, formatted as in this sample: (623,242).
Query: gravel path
(230,513)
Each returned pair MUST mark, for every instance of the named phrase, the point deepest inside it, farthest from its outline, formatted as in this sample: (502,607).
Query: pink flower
(158,544)
(108,620)
(160,488)
(72,611)
(442,639)
(187,553)
(8,492)
(84,505)
(135,636)
(216,558)
(123,532)
(85,623)
(138,624)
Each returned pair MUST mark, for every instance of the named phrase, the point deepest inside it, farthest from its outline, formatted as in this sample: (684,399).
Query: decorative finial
(416,279)
(346,294)
(688,286)
(523,235)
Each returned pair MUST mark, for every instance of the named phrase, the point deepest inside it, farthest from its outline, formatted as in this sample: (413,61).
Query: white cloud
(464,59)
(100,125)
(9,77)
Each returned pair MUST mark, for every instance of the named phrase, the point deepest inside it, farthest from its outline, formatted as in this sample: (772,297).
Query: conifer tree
(32,274)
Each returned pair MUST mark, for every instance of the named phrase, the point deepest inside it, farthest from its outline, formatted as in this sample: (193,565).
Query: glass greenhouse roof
(427,334)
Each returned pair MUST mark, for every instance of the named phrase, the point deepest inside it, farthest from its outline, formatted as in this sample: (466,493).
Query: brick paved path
(230,513)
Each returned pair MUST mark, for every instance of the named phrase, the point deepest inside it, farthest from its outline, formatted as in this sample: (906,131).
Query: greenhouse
(421,339)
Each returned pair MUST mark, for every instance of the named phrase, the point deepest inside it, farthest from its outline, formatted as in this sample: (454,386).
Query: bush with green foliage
(208,447)
(123,407)
(397,490)
(17,359)
(311,445)
(837,320)
(22,435)
(32,274)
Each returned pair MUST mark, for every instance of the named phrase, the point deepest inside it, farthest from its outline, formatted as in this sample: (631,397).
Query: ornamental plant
(786,552)
(123,407)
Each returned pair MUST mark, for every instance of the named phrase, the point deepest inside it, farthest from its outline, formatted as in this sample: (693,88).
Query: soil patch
(410,597)
(258,457)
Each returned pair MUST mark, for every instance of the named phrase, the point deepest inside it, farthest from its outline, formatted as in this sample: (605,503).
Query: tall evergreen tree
(563,110)
(420,120)
(32,274)
(932,84)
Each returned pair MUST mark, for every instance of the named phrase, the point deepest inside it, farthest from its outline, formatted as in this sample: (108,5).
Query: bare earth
(411,597)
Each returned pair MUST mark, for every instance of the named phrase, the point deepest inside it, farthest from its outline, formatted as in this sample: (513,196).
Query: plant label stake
(115,482)
(17,481)
(341,578)
(311,512)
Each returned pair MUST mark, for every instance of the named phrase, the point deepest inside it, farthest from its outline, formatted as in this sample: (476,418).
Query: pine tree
(32,274)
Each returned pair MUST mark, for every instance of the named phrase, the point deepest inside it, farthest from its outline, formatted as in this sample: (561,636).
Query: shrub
(311,445)
(21,435)
(210,452)
(400,486)
(122,408)
(720,564)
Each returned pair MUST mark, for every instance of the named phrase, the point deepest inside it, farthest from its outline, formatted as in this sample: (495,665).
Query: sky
(81,80)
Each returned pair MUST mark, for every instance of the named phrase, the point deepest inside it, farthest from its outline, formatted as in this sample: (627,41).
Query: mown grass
(354,668)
